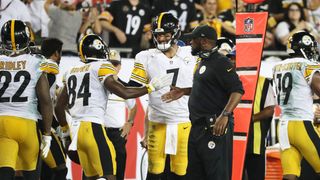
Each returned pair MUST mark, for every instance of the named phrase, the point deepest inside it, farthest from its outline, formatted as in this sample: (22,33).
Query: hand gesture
(126,129)
(160,82)
(220,126)
(174,94)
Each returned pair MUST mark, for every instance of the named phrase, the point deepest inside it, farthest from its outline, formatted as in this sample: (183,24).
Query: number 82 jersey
(292,79)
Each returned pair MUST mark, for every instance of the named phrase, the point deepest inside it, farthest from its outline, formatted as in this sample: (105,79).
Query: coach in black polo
(215,93)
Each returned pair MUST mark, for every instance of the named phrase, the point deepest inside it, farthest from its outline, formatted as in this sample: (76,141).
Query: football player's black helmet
(15,36)
(303,44)
(92,48)
(225,44)
(165,23)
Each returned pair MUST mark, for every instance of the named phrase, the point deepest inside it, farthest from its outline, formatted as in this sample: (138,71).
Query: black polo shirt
(214,80)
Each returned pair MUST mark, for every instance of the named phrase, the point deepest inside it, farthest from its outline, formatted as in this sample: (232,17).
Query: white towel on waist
(171,139)
(75,125)
(283,135)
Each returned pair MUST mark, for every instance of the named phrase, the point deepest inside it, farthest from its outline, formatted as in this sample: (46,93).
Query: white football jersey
(87,95)
(18,79)
(153,63)
(292,79)
(115,116)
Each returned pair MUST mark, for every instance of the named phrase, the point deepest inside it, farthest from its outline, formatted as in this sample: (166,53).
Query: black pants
(119,143)
(209,157)
(255,166)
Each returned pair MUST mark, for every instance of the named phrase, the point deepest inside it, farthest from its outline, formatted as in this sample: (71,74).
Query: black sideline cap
(203,31)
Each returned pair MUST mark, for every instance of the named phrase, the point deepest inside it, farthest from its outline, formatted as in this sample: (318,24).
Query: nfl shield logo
(248,25)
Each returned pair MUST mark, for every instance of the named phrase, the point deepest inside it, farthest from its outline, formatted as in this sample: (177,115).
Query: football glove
(45,145)
(64,134)
(159,82)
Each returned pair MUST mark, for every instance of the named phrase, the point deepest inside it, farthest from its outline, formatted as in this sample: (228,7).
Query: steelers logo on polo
(202,69)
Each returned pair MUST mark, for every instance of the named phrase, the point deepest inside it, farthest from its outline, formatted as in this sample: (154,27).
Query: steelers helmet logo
(306,40)
(211,145)
(97,44)
(202,69)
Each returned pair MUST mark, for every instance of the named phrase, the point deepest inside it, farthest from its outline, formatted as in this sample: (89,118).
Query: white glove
(63,132)
(160,82)
(45,145)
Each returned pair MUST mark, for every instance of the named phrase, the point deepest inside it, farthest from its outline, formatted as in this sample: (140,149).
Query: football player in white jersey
(85,95)
(23,85)
(296,78)
(169,124)
(54,166)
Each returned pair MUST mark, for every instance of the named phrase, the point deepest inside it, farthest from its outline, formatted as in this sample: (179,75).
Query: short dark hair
(49,46)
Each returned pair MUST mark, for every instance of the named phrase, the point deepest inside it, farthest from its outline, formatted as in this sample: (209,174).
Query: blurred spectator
(39,19)
(210,17)
(90,21)
(184,10)
(314,6)
(131,21)
(269,41)
(224,5)
(294,21)
(64,23)
(228,19)
(13,9)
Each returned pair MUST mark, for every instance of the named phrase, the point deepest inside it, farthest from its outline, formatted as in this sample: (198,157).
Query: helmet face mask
(15,36)
(93,48)
(164,24)
(303,44)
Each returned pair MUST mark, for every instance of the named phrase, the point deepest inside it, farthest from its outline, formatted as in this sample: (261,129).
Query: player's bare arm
(114,86)
(315,84)
(120,90)
(61,106)
(264,114)
(46,109)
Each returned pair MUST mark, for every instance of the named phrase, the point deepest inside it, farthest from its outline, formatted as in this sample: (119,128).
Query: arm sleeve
(139,74)
(105,70)
(53,12)
(49,67)
(309,72)
(227,76)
